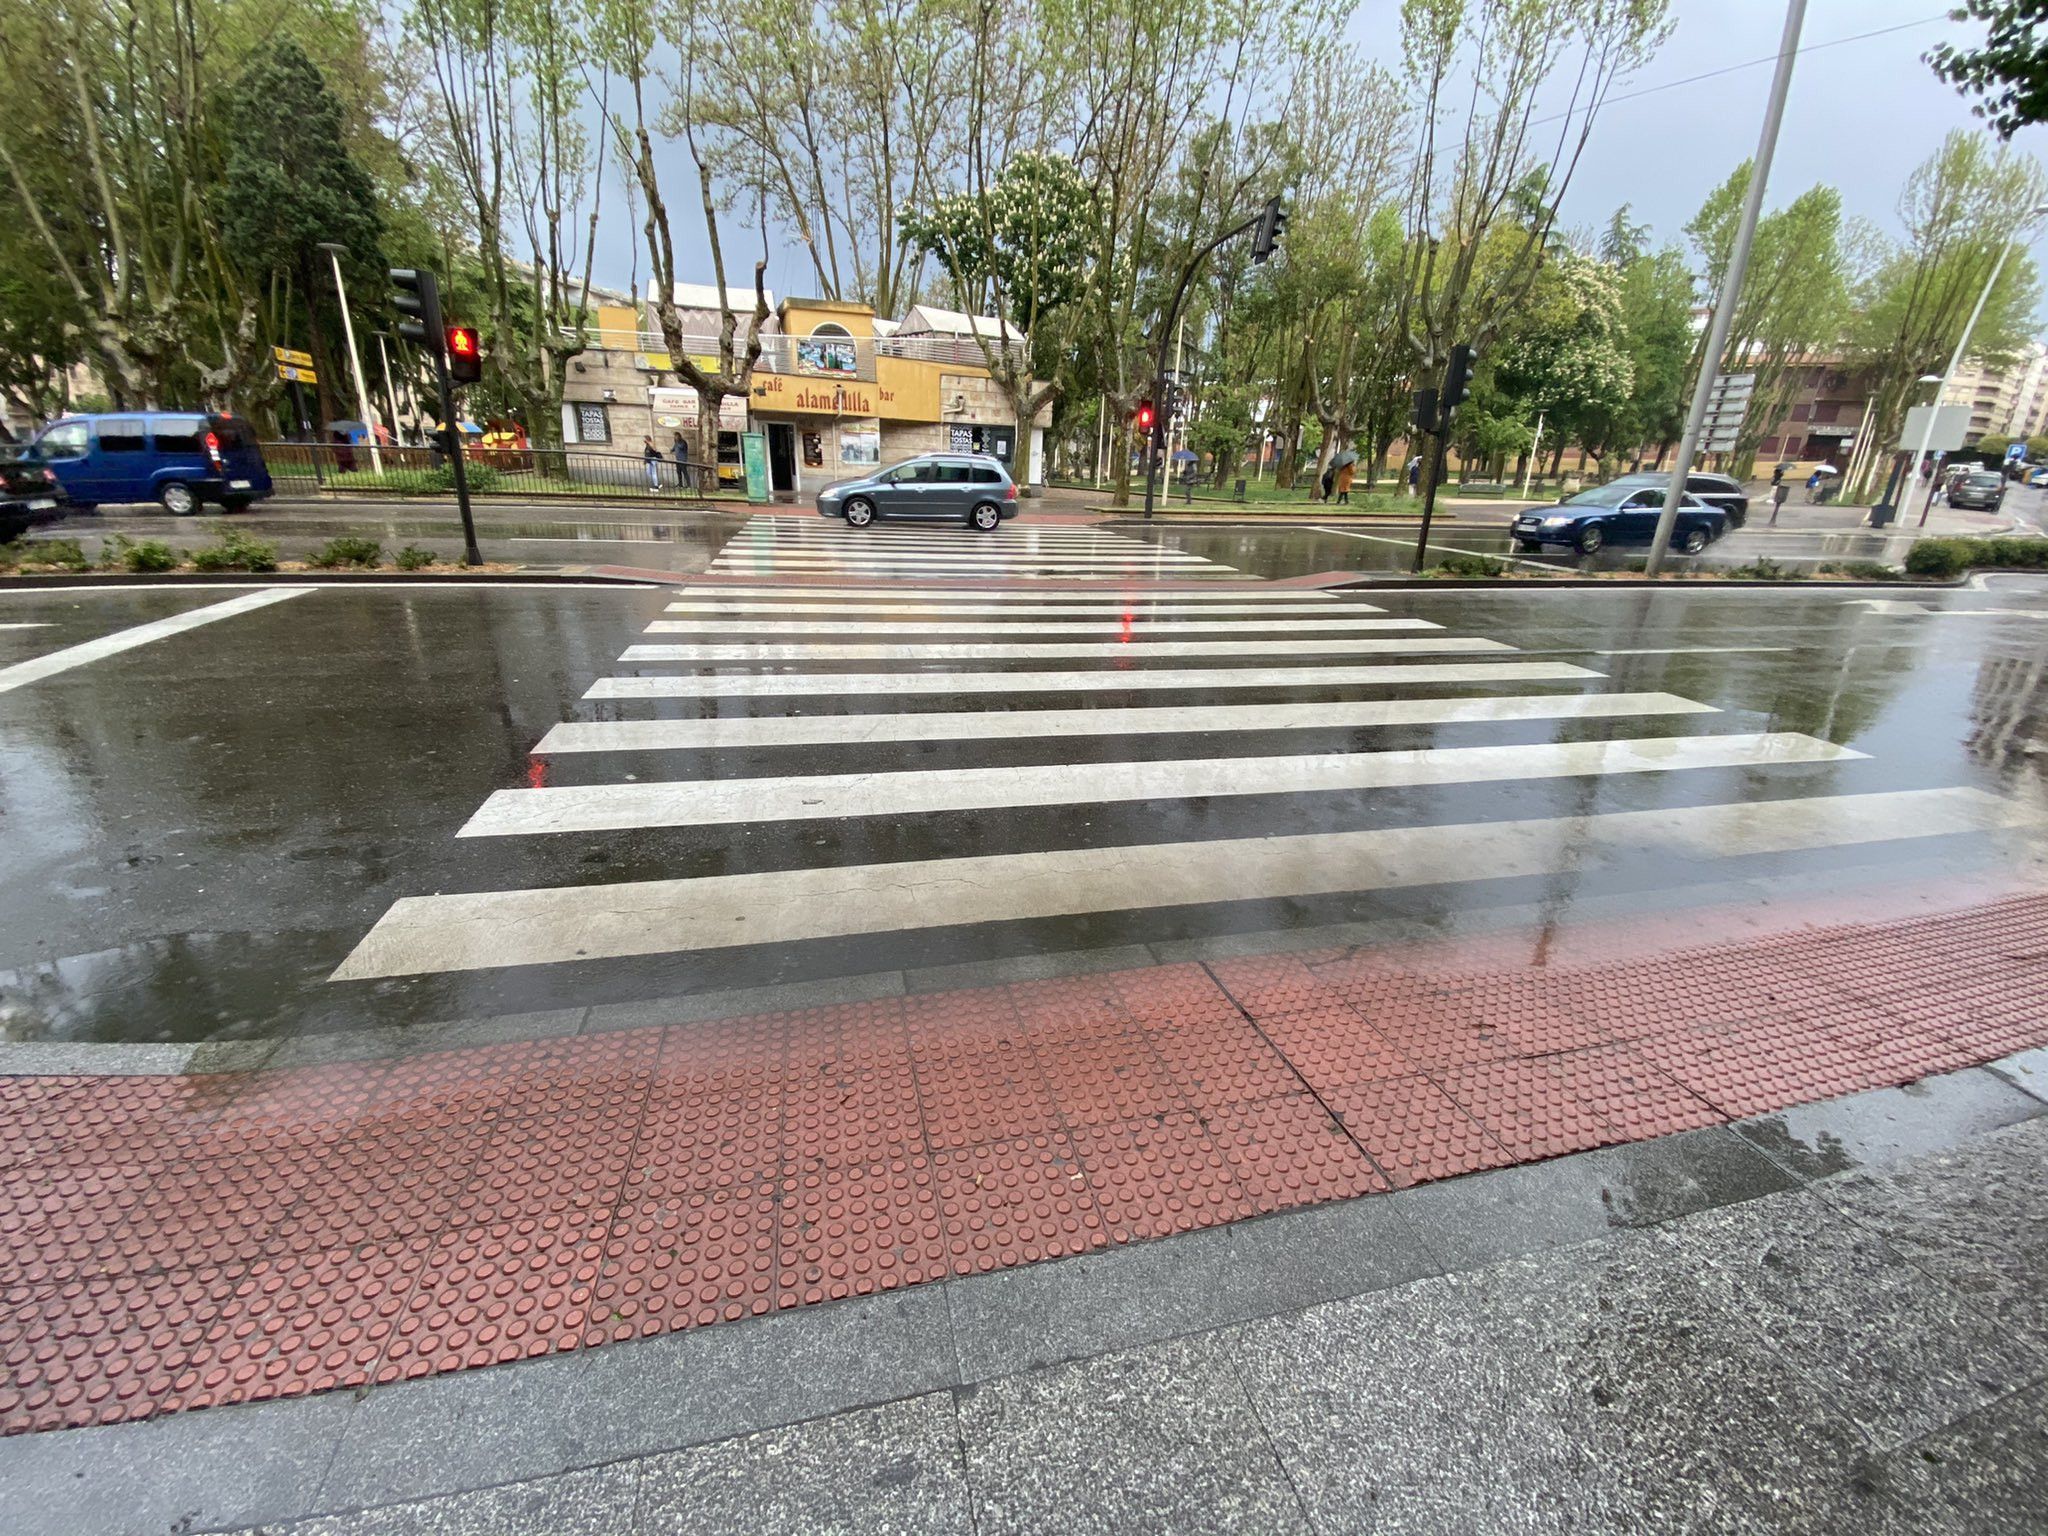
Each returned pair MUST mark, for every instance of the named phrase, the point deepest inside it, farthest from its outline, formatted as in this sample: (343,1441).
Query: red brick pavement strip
(172,1243)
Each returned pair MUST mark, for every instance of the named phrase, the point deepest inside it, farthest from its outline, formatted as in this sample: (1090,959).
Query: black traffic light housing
(1144,416)
(1458,377)
(417,297)
(465,355)
(1272,225)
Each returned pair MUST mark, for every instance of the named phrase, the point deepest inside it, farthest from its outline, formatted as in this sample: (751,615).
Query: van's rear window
(180,434)
(231,431)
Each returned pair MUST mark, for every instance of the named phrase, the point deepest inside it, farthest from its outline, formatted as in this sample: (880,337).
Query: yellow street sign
(286,357)
(287,374)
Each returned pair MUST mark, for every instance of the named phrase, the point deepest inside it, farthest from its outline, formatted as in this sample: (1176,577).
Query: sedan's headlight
(1556,522)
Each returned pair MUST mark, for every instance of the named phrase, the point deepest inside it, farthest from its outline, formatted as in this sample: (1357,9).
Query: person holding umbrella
(1347,468)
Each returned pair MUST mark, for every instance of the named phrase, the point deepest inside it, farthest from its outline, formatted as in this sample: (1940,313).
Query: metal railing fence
(419,471)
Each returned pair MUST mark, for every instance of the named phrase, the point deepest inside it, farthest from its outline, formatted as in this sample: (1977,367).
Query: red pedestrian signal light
(465,355)
(1143,420)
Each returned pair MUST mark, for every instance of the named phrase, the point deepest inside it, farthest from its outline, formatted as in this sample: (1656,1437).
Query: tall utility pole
(1955,358)
(355,360)
(1731,286)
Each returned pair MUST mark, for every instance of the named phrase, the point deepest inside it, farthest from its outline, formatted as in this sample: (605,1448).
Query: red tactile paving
(176,1243)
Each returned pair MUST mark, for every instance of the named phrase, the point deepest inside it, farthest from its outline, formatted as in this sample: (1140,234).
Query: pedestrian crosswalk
(795,545)
(813,775)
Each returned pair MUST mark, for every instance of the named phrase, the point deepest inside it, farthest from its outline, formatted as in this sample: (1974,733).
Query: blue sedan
(1617,514)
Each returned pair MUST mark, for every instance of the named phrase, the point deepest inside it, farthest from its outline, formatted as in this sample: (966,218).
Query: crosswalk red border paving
(181,1242)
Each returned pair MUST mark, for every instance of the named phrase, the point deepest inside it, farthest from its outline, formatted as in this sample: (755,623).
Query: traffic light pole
(1155,438)
(471,555)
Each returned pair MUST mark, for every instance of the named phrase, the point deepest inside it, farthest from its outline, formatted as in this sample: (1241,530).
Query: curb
(457,578)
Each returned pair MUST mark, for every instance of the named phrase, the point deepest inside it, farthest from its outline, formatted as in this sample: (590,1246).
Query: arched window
(832,328)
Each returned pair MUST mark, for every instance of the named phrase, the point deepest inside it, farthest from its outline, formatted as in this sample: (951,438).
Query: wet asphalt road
(200,830)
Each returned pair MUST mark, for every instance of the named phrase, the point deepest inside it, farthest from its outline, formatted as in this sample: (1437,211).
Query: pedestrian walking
(685,476)
(1345,472)
(1329,479)
(652,456)
(1414,474)
(1779,491)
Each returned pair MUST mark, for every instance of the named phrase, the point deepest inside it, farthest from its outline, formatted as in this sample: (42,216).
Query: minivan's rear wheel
(177,498)
(1591,538)
(986,516)
(860,512)
(1695,541)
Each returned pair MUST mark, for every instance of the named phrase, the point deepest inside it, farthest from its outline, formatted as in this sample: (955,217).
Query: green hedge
(1951,557)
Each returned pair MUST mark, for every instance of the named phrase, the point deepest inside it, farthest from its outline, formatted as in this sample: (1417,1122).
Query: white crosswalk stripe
(1108,624)
(1104,609)
(1387,785)
(1025,651)
(826,684)
(818,797)
(1012,724)
(562,923)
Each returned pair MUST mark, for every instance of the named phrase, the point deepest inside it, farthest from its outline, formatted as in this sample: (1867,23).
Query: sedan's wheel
(1590,539)
(177,498)
(1695,540)
(986,516)
(860,512)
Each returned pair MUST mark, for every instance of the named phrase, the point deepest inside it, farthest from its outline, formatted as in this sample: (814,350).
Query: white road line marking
(810,650)
(722,731)
(24,626)
(1689,650)
(22,673)
(1039,594)
(835,563)
(1107,624)
(818,684)
(490,929)
(1140,608)
(1442,549)
(923,792)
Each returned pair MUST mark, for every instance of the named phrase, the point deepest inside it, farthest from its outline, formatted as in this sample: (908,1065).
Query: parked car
(29,494)
(1981,490)
(1723,491)
(1617,514)
(947,487)
(182,459)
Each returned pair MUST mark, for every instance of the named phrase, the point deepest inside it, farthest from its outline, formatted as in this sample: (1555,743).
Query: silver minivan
(966,488)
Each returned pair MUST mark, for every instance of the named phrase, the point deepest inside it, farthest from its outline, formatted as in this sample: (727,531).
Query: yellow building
(836,392)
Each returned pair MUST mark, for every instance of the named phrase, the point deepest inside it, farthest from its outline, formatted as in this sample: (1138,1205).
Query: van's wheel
(177,498)
(859,512)
(1590,539)
(1695,541)
(986,517)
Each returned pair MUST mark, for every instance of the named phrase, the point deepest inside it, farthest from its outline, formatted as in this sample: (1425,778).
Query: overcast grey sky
(1861,115)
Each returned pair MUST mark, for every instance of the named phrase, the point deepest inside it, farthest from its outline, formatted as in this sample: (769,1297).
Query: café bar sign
(818,397)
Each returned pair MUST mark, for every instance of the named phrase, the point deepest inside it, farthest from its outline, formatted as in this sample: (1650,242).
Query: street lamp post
(390,397)
(1956,357)
(1731,287)
(355,361)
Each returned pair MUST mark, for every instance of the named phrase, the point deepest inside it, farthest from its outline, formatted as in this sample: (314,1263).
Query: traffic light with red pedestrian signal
(1143,418)
(465,355)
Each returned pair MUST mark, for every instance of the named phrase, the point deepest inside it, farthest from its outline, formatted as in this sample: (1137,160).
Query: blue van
(179,458)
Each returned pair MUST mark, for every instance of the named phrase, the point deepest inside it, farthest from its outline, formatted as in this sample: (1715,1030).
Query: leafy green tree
(1960,208)
(1656,318)
(1794,300)
(1568,358)
(287,186)
(2008,74)
(1993,445)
